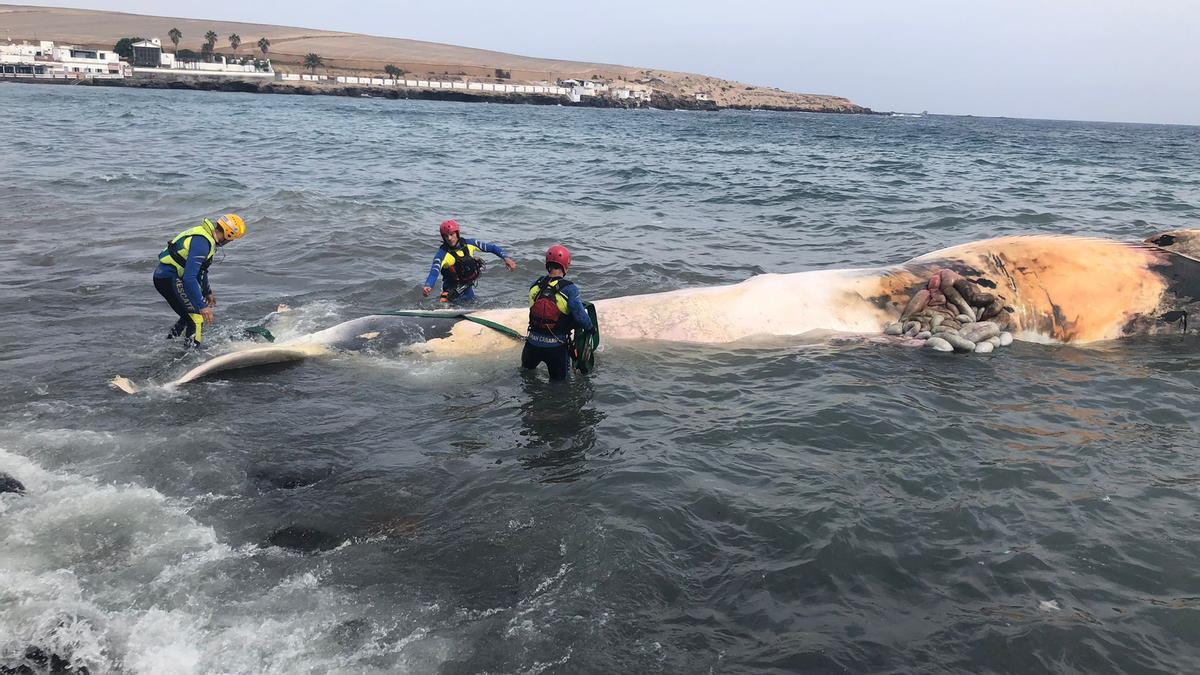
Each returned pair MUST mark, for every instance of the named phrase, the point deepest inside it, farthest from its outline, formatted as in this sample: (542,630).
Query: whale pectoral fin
(124,384)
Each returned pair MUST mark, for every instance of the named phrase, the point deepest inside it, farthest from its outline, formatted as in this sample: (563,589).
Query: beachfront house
(150,54)
(89,61)
(46,59)
(26,59)
(168,66)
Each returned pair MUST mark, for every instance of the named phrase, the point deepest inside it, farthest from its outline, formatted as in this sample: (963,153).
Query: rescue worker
(455,260)
(555,309)
(182,273)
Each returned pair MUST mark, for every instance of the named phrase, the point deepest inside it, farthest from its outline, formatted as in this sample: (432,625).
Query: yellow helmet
(231,225)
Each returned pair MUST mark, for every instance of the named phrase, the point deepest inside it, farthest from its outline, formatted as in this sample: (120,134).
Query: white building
(150,59)
(89,61)
(47,59)
(27,59)
(150,54)
(636,92)
(220,66)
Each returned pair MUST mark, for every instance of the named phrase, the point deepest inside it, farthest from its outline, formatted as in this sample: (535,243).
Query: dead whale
(381,332)
(1050,288)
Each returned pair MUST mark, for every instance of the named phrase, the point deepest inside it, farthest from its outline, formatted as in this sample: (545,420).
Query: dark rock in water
(10,484)
(37,661)
(302,538)
(272,476)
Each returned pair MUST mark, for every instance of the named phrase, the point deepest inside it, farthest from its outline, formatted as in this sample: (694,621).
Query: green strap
(499,327)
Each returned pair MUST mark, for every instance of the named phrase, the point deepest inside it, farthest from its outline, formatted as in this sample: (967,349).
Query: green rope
(261,332)
(499,327)
(583,346)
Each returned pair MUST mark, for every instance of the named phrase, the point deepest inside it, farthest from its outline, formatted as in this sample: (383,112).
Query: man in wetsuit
(182,273)
(455,260)
(555,309)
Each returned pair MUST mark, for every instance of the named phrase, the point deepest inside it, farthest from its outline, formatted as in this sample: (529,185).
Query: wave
(122,578)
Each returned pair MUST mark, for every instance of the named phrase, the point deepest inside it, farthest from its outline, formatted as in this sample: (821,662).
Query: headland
(236,56)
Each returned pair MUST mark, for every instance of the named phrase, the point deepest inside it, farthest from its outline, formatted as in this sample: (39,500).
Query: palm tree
(234,41)
(313,61)
(264,44)
(211,38)
(175,36)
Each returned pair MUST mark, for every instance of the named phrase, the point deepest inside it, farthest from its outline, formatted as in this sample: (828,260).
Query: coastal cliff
(660,99)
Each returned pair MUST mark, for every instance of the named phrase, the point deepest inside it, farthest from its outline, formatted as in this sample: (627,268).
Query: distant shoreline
(659,101)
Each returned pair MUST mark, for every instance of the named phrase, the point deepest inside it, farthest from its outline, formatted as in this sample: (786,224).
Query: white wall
(221,67)
(209,73)
(436,84)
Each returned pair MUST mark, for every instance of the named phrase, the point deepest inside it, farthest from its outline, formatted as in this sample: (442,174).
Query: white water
(121,578)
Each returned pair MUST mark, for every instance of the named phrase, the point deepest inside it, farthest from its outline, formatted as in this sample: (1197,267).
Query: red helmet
(558,255)
(448,227)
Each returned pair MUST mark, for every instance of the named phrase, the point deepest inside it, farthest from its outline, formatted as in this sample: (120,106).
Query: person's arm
(436,268)
(495,250)
(575,304)
(205,289)
(197,254)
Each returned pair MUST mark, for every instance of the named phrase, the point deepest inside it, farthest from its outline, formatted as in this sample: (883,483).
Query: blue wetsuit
(439,260)
(186,294)
(553,348)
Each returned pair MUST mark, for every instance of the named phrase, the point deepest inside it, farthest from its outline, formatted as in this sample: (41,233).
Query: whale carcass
(1042,288)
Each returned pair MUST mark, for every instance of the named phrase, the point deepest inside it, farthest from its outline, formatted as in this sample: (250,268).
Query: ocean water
(808,507)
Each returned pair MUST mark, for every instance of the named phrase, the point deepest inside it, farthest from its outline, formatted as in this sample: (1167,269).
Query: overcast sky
(1115,60)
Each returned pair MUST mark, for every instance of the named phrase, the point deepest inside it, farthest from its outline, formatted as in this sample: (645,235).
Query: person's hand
(510,264)
(207,313)
(425,291)
(211,299)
